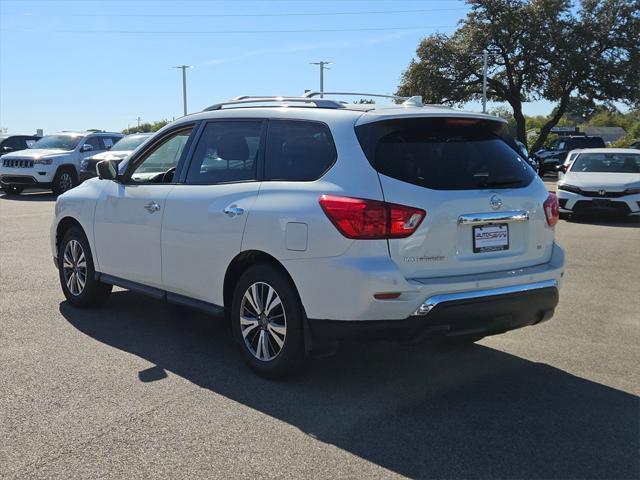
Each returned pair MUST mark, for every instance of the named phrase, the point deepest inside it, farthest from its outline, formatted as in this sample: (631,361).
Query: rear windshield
(607,163)
(445,153)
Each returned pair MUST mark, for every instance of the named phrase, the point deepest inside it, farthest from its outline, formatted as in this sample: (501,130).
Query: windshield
(607,163)
(61,142)
(129,143)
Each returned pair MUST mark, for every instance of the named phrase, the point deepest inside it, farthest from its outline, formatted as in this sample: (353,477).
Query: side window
(95,142)
(108,142)
(158,164)
(227,151)
(15,143)
(562,145)
(298,151)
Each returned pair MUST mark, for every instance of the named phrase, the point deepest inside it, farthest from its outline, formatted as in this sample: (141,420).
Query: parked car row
(549,159)
(62,160)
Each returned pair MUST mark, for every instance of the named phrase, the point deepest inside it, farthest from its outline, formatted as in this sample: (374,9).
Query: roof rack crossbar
(415,101)
(319,103)
(355,94)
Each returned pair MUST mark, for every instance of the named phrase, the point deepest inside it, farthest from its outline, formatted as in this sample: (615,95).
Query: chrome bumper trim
(481,218)
(431,302)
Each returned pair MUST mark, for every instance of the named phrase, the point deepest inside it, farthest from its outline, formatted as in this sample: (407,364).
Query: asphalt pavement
(139,389)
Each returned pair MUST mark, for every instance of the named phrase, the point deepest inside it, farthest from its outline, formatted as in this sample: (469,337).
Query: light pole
(485,55)
(323,67)
(184,85)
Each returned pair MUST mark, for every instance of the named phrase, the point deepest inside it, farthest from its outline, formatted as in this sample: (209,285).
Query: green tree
(146,127)
(538,49)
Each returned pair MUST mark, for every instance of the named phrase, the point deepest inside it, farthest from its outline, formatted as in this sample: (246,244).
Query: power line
(195,15)
(223,32)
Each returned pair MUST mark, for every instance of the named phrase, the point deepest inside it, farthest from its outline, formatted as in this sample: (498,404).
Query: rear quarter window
(298,150)
(445,153)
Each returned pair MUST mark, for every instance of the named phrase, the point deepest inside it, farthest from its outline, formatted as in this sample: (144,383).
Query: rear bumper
(484,312)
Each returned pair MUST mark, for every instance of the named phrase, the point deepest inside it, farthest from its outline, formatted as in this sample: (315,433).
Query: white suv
(53,161)
(307,220)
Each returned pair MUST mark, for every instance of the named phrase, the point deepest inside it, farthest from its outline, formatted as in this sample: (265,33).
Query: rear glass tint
(298,150)
(445,153)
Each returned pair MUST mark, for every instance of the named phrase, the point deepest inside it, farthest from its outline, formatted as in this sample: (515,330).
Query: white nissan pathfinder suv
(53,161)
(305,219)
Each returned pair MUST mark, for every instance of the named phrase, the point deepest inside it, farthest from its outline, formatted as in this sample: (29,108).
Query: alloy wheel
(263,322)
(66,181)
(74,267)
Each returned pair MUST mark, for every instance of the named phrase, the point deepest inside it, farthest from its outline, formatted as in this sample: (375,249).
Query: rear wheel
(267,319)
(76,271)
(64,179)
(12,189)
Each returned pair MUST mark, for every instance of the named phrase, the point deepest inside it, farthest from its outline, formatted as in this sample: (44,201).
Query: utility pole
(184,85)
(323,67)
(485,54)
(139,121)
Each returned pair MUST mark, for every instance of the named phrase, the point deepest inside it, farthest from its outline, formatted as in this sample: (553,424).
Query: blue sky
(78,64)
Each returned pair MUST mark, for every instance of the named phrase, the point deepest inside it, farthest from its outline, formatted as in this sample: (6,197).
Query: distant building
(608,134)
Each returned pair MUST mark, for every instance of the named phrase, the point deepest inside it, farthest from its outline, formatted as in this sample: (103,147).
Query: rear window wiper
(504,181)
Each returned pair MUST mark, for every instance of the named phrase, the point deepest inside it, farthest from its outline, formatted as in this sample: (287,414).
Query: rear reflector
(386,296)
(551,209)
(364,219)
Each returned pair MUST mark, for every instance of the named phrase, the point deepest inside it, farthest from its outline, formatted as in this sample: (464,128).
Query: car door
(129,213)
(207,210)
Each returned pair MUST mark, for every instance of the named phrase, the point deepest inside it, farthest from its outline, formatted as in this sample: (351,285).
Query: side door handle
(233,210)
(152,207)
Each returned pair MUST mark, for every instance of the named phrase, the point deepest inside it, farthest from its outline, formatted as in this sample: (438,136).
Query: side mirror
(86,148)
(107,170)
(561,168)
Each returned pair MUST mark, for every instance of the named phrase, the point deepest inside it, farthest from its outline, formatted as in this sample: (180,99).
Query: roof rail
(319,103)
(415,101)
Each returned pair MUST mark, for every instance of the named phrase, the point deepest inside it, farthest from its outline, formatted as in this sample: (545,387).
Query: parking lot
(140,389)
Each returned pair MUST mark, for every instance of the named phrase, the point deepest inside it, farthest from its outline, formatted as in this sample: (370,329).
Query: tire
(12,189)
(280,325)
(76,271)
(65,179)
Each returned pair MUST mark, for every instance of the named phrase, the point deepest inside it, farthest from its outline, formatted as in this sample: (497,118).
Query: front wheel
(76,271)
(267,319)
(64,179)
(12,189)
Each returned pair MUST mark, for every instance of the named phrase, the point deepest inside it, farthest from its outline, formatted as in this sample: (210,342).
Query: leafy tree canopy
(146,127)
(538,49)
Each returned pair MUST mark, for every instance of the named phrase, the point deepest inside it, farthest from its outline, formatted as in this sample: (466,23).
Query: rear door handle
(233,210)
(152,207)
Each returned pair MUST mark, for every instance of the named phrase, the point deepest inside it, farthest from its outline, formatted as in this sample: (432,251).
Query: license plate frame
(490,237)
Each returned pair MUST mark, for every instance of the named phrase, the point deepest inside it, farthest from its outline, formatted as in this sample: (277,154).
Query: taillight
(551,209)
(364,219)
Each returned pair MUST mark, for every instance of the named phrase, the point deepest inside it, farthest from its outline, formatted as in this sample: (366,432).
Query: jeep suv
(307,220)
(53,161)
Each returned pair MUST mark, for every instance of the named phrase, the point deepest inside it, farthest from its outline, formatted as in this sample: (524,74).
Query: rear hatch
(484,203)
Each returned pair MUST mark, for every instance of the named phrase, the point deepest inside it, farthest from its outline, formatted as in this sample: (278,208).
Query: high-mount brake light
(364,219)
(461,122)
